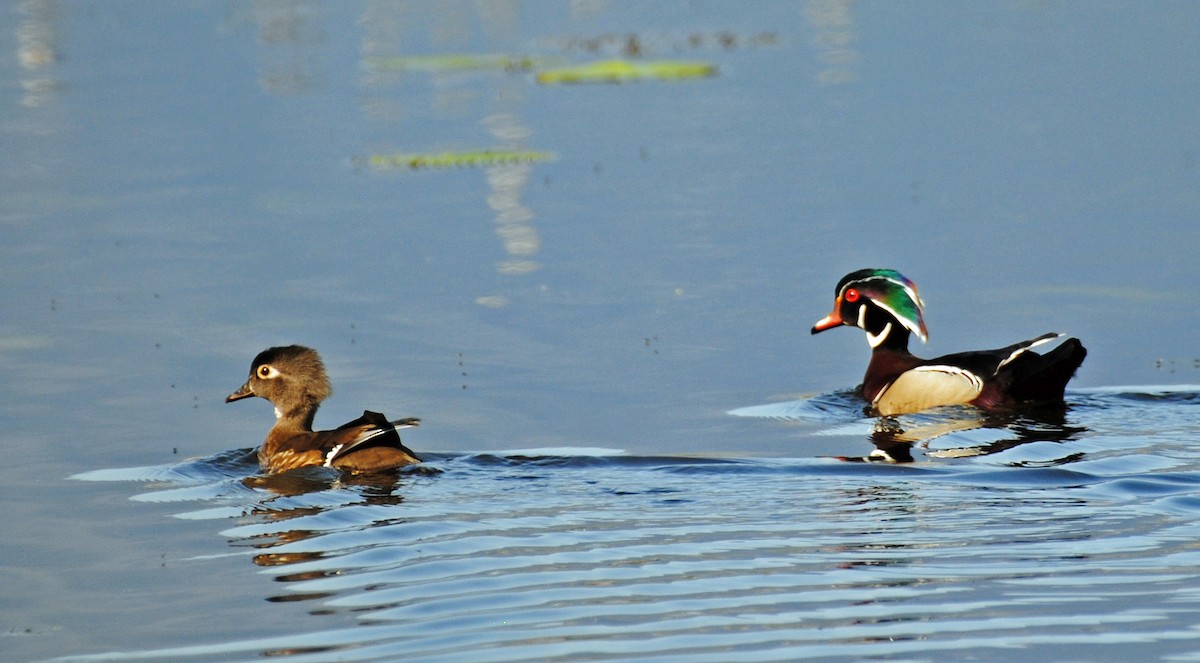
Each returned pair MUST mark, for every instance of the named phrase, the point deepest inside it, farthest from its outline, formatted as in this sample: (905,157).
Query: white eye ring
(267,372)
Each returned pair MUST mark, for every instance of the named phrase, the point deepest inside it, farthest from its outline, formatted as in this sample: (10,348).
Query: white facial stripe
(910,325)
(912,293)
(862,317)
(876,340)
(908,289)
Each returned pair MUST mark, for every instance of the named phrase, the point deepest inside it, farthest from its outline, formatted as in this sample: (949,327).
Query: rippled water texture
(1081,546)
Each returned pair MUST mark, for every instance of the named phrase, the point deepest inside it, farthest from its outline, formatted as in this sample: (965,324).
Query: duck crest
(889,290)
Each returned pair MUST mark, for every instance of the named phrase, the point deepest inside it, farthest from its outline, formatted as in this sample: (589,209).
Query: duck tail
(1042,378)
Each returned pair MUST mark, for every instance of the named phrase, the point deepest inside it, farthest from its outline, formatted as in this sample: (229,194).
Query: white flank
(925,387)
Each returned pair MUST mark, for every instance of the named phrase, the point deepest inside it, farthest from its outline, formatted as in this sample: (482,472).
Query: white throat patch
(875,340)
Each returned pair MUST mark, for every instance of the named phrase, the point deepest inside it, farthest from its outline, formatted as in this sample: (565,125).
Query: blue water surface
(1081,547)
(636,451)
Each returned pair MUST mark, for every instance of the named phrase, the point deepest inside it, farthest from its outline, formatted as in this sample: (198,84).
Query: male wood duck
(293,379)
(885,304)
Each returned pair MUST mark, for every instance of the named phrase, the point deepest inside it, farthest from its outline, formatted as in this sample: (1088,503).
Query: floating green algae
(622,71)
(468,159)
(604,71)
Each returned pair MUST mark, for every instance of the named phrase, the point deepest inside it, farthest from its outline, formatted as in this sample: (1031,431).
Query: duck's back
(1041,378)
(368,443)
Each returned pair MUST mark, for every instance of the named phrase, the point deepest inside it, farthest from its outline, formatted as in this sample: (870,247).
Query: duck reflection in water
(894,438)
(378,489)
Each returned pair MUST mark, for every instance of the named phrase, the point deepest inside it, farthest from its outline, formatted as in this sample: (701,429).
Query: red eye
(851,295)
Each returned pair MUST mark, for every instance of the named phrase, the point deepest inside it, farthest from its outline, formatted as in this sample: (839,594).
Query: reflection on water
(387,37)
(535,556)
(290,34)
(37,50)
(514,221)
(894,437)
(950,432)
(834,37)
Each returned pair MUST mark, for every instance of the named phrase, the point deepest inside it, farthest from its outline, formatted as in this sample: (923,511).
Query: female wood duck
(885,304)
(293,379)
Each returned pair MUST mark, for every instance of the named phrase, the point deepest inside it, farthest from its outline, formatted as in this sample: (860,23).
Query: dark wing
(1017,374)
(1033,377)
(371,430)
(988,363)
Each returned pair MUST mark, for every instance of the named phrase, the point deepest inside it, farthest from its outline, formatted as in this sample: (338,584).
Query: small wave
(965,432)
(685,558)
(236,462)
(1139,395)
(1008,527)
(831,406)
(845,404)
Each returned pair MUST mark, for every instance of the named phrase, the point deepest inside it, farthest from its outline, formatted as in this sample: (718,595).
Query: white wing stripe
(1041,340)
(332,453)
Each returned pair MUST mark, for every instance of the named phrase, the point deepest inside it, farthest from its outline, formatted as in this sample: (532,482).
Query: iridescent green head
(876,301)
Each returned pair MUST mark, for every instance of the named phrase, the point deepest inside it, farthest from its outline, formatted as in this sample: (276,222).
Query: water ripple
(1084,541)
